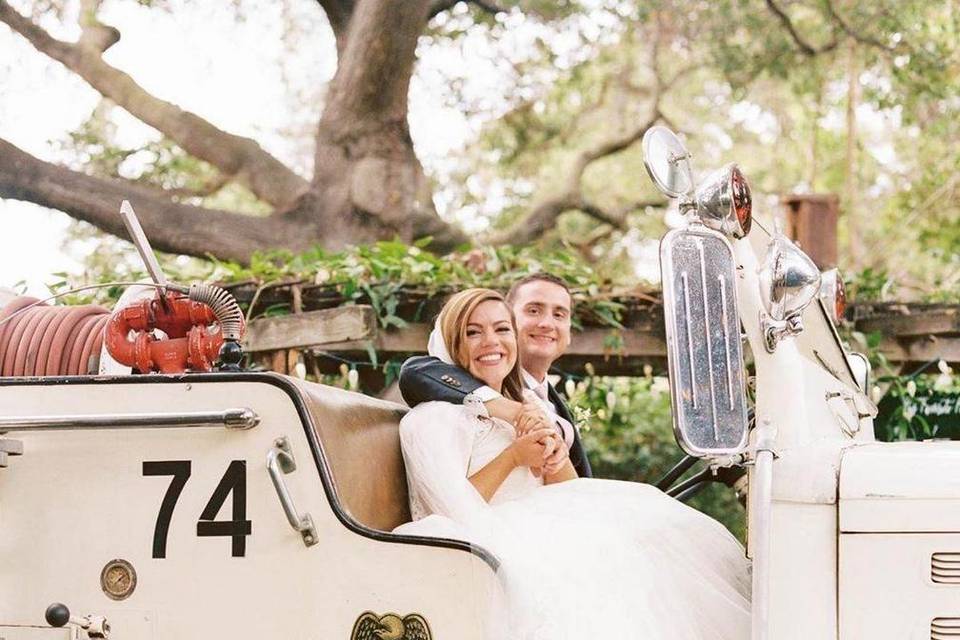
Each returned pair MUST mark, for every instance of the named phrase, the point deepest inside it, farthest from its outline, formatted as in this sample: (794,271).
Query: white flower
(300,370)
(909,411)
(944,367)
(647,371)
(912,388)
(570,387)
(353,379)
(611,401)
(943,382)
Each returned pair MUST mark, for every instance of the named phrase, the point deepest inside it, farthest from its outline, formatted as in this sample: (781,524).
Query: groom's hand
(554,461)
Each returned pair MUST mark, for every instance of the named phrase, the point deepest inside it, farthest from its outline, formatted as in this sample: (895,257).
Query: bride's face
(490,345)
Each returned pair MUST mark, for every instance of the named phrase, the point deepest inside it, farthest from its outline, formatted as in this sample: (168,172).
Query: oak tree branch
(239,157)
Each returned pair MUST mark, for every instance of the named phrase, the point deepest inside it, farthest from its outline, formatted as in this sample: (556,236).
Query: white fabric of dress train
(580,559)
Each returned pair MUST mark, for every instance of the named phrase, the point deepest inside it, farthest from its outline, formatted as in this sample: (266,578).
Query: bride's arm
(525,451)
(566,472)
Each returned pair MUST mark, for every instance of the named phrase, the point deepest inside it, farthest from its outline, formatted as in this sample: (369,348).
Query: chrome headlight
(724,202)
(788,279)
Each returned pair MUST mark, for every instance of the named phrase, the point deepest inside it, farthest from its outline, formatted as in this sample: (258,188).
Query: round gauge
(118,579)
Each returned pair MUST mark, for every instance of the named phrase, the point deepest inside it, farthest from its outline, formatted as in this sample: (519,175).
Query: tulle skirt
(607,559)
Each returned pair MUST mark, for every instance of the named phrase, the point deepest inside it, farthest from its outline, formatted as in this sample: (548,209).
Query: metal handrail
(236,418)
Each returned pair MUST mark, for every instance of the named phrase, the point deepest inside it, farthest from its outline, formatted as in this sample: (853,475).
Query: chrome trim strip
(706,329)
(726,340)
(686,312)
(238,418)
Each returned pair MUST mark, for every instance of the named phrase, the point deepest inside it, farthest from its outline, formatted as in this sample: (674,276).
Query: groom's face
(542,310)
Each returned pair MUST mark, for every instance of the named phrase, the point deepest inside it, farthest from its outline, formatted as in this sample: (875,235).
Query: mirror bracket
(774,331)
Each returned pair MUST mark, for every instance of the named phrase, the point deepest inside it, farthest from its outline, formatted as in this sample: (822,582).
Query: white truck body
(864,537)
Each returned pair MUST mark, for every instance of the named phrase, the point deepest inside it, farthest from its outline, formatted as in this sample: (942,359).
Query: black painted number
(180,470)
(233,482)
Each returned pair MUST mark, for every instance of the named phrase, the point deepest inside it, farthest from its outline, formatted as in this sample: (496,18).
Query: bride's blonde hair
(453,327)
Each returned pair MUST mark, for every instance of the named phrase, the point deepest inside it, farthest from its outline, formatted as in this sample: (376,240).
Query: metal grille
(945,567)
(703,341)
(944,628)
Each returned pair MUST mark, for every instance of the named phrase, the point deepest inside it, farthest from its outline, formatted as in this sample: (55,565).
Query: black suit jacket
(425,378)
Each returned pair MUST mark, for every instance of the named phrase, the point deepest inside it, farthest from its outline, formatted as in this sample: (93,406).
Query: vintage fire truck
(252,505)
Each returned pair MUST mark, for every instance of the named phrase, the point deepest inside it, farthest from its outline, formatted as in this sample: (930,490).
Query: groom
(542,306)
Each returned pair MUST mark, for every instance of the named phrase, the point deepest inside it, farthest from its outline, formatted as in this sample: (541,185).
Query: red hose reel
(190,342)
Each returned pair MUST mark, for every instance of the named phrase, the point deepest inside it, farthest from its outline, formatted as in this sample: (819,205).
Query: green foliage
(382,274)
(870,285)
(901,416)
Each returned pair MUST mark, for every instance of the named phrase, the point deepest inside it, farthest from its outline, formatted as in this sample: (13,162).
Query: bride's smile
(490,343)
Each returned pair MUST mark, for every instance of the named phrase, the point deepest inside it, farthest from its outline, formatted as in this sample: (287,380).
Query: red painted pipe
(189,344)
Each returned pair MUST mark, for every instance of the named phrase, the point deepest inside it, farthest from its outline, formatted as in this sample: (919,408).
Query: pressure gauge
(118,579)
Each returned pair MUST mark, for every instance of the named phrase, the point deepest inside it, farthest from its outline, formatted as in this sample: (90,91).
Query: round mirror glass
(667,161)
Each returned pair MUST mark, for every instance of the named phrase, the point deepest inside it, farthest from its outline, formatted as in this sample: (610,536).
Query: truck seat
(361,444)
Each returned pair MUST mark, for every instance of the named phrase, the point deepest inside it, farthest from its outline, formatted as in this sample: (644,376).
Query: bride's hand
(529,449)
(531,417)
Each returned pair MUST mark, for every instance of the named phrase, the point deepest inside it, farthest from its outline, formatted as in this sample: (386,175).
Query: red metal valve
(190,344)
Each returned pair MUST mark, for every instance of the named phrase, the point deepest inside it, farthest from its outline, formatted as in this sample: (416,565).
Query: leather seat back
(361,443)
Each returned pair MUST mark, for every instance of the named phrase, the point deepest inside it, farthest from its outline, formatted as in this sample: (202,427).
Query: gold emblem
(118,579)
(390,626)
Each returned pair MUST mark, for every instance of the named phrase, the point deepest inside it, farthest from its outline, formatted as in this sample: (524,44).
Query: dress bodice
(491,437)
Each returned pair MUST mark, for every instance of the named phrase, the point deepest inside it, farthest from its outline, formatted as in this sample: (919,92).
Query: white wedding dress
(580,559)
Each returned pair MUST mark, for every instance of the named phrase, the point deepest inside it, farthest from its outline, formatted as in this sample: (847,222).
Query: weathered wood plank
(591,342)
(310,329)
(919,350)
(913,323)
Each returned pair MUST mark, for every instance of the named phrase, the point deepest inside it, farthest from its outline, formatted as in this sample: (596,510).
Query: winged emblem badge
(390,626)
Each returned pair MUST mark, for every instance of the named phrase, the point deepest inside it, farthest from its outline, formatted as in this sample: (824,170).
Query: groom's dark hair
(537,277)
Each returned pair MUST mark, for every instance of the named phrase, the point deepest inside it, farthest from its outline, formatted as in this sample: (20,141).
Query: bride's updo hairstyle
(453,320)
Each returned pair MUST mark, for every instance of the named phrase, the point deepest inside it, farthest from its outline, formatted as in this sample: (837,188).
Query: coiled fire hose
(37,339)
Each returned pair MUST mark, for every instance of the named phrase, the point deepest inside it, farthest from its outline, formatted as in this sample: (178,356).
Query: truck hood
(900,487)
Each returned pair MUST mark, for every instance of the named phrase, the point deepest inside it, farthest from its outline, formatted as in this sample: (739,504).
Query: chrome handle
(239,418)
(279,462)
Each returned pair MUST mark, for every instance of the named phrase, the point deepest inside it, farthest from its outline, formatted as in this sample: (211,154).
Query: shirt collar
(531,382)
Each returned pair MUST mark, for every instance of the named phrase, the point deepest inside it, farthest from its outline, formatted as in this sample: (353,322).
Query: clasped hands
(539,444)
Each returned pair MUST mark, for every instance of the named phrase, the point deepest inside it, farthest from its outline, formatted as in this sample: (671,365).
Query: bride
(580,558)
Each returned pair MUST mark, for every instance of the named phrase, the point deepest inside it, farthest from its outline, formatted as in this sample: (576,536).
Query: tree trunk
(854,243)
(368,183)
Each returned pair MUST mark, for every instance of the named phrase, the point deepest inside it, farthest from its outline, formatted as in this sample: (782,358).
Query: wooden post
(812,223)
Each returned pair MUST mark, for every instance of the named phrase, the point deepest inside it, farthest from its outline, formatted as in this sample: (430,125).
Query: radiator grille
(945,629)
(945,569)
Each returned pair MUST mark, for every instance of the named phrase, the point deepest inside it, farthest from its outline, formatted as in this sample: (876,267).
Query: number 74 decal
(234,481)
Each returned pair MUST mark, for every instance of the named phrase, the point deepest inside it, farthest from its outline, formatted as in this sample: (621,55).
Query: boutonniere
(582,417)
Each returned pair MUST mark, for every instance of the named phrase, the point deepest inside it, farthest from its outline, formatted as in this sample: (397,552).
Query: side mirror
(667,161)
(860,366)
